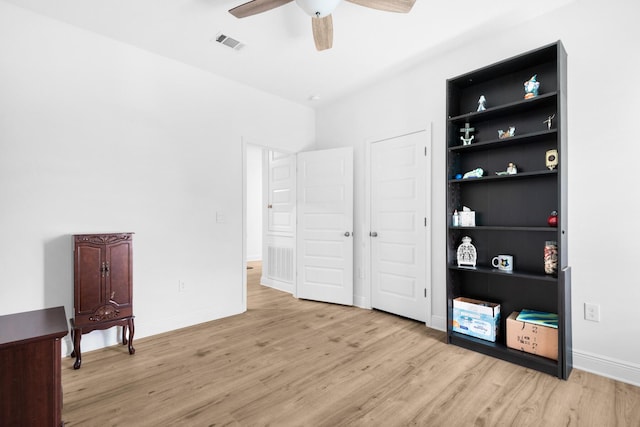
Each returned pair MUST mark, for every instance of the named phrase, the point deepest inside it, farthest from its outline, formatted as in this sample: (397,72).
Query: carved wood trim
(106,312)
(103,239)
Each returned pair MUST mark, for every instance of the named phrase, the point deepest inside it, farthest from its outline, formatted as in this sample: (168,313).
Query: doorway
(322,210)
(269,217)
(253,204)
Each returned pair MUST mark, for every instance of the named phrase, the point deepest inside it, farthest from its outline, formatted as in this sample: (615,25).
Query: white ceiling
(279,56)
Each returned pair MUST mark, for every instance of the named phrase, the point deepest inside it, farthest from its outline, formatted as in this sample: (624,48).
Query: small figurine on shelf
(507,134)
(551,159)
(467,254)
(531,87)
(481,103)
(466,139)
(476,173)
(511,170)
(549,120)
(553,219)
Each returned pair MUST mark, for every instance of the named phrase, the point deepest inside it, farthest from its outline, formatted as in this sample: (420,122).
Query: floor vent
(229,41)
(280,263)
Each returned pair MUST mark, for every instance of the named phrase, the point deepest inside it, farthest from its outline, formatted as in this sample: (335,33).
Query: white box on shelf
(467,218)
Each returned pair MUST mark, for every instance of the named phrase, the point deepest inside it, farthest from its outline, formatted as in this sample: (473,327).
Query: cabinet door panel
(89,289)
(119,278)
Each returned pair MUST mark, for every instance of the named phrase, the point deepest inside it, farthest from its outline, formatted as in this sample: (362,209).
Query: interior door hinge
(425,221)
(425,292)
(425,151)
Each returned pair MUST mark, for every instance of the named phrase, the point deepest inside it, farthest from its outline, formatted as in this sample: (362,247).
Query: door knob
(347,234)
(373,234)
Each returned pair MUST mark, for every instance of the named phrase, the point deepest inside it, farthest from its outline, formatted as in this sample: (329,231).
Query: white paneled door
(278,267)
(325,226)
(281,192)
(399,225)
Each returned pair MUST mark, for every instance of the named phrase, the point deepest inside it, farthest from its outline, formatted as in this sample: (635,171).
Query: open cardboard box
(532,338)
(476,318)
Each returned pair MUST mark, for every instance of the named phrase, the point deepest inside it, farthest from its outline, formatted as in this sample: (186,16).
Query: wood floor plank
(289,362)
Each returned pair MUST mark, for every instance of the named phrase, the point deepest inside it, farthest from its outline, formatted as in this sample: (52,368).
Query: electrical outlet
(182,287)
(592,312)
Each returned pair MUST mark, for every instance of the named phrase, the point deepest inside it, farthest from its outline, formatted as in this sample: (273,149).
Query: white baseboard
(361,302)
(615,369)
(277,284)
(439,323)
(619,370)
(146,327)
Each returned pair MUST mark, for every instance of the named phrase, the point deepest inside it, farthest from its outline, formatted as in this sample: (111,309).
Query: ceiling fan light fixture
(318,8)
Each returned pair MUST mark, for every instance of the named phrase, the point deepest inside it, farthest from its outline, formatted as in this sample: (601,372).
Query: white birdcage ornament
(467,254)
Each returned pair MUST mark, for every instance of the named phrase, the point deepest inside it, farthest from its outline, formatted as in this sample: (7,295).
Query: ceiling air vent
(229,41)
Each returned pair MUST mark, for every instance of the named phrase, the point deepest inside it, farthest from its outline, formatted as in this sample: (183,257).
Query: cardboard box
(467,218)
(476,318)
(532,338)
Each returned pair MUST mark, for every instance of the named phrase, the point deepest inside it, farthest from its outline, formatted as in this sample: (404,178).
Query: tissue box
(476,318)
(467,218)
(531,337)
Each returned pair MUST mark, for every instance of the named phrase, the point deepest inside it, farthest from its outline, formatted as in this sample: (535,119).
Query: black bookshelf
(511,210)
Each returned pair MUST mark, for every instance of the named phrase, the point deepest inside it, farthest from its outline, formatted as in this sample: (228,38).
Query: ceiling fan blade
(256,6)
(400,6)
(323,32)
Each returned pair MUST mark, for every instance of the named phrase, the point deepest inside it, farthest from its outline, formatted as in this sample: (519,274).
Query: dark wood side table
(30,377)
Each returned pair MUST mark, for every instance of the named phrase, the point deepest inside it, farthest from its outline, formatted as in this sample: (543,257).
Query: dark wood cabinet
(511,210)
(30,377)
(103,287)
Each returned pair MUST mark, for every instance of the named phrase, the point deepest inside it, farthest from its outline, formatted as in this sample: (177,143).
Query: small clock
(551,159)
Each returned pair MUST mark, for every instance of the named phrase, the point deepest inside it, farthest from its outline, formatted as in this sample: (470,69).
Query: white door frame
(244,142)
(365,274)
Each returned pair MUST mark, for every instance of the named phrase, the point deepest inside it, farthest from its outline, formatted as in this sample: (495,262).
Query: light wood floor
(288,362)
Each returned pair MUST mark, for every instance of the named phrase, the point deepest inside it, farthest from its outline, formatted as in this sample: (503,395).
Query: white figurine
(476,173)
(511,170)
(509,133)
(549,121)
(467,138)
(481,102)
(531,87)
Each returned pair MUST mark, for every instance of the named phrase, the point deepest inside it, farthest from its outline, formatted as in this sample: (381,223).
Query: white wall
(98,136)
(254,203)
(601,41)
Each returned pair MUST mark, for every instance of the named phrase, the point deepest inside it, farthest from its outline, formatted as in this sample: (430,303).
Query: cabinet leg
(77,334)
(124,334)
(73,351)
(131,331)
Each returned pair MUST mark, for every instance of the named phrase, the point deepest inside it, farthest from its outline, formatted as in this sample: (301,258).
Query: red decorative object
(553,219)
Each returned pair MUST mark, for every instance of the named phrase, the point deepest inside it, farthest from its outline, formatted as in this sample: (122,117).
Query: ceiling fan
(320,12)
